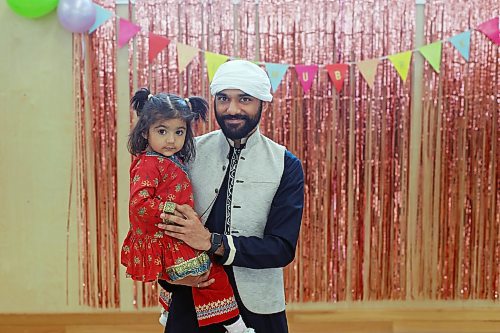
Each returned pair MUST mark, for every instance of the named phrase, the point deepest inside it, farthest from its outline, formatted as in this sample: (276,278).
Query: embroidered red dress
(149,254)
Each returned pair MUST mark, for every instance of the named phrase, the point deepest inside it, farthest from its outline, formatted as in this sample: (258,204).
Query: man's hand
(201,281)
(187,228)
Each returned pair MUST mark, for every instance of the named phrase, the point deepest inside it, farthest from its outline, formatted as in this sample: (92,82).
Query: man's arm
(200,281)
(277,247)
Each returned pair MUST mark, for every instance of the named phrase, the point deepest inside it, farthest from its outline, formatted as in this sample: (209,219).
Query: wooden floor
(430,320)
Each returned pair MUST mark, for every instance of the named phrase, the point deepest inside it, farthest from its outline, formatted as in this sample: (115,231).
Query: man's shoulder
(207,136)
(271,142)
(292,162)
(288,154)
(291,157)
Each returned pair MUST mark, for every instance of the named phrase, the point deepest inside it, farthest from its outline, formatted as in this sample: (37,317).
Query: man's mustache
(235,117)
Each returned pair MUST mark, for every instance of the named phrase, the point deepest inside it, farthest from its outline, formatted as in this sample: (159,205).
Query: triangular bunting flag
(368,69)
(276,73)
(126,32)
(337,74)
(306,74)
(102,15)
(490,29)
(185,54)
(462,43)
(156,45)
(258,63)
(401,61)
(213,61)
(432,53)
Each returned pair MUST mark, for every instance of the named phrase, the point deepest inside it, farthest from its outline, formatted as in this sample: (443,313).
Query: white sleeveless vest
(257,178)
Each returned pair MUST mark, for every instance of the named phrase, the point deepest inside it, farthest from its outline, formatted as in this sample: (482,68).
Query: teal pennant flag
(276,73)
(462,44)
(102,15)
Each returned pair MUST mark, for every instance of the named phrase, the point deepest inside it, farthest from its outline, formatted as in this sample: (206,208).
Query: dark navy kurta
(275,249)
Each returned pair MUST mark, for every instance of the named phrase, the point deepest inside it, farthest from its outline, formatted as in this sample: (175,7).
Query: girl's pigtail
(198,106)
(140,98)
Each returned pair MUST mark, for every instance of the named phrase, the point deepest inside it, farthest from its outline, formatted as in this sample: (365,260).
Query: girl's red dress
(149,254)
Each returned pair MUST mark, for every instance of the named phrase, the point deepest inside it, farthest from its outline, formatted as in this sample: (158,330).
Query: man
(249,193)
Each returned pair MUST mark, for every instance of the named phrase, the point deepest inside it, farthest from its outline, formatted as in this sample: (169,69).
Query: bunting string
(346,113)
(306,73)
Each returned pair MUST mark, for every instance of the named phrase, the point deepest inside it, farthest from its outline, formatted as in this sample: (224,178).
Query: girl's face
(167,136)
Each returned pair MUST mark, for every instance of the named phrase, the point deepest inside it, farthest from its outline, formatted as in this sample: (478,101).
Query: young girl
(162,142)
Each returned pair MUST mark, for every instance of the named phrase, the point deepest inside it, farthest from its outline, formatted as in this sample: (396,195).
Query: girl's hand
(187,228)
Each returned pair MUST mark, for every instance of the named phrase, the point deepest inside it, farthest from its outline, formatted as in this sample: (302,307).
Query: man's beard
(240,132)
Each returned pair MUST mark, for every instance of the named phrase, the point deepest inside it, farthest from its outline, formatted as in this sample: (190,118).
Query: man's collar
(246,141)
(240,144)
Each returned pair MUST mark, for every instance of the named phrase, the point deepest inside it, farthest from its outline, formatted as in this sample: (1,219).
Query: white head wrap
(243,75)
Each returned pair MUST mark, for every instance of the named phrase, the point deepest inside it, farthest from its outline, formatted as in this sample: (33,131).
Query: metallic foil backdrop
(95,163)
(358,241)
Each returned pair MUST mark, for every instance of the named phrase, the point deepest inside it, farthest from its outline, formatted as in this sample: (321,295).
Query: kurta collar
(247,142)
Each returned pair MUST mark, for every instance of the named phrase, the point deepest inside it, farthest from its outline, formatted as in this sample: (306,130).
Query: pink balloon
(76,15)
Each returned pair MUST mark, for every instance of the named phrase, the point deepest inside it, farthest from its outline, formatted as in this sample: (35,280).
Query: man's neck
(240,143)
(237,143)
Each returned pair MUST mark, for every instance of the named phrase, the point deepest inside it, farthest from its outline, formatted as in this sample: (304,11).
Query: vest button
(223,167)
(216,190)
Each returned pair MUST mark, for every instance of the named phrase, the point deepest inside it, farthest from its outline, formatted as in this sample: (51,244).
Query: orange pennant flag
(185,55)
(156,45)
(337,74)
(368,69)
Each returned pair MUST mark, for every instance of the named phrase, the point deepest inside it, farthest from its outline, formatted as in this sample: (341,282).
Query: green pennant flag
(432,53)
(401,61)
(213,61)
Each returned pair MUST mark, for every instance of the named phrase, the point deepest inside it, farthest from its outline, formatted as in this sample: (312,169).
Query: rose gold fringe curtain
(358,241)
(95,164)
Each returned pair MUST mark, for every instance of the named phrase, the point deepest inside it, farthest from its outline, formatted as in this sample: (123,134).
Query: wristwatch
(216,241)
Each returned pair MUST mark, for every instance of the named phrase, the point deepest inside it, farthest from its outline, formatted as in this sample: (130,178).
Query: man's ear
(265,106)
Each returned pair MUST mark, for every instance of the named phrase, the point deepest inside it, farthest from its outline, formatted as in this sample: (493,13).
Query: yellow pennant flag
(432,53)
(185,55)
(368,69)
(213,61)
(401,61)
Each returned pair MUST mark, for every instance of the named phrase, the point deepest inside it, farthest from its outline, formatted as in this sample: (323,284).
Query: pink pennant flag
(490,29)
(337,74)
(306,74)
(156,45)
(127,31)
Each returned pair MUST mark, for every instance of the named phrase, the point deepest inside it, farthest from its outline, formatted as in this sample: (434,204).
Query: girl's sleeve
(145,203)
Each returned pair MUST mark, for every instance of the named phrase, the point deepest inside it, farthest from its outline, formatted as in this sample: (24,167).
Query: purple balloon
(76,15)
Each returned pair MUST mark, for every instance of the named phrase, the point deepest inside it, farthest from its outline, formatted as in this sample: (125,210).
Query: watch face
(217,238)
